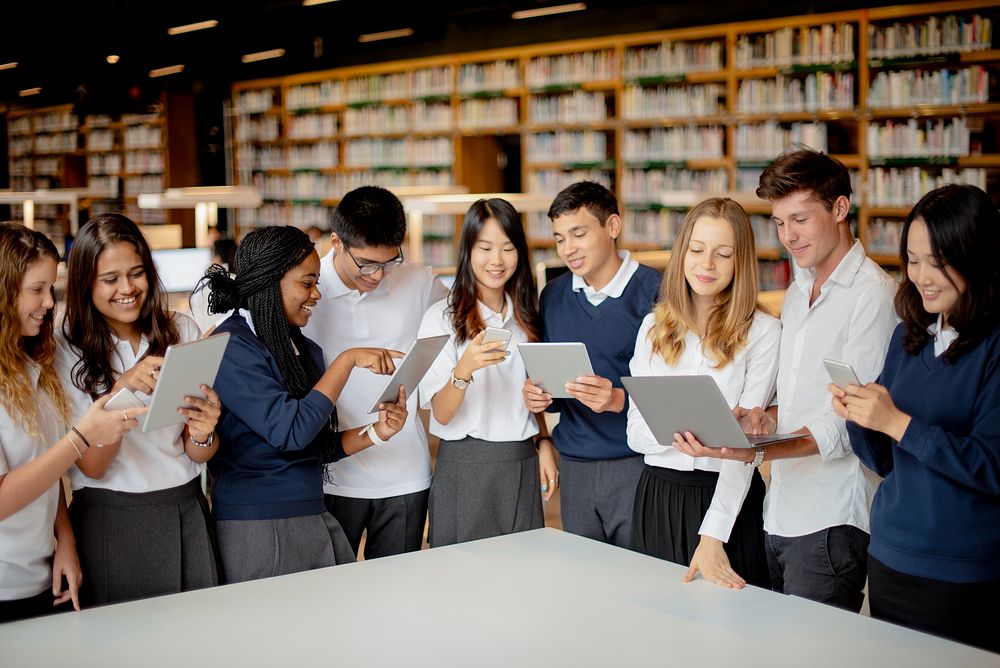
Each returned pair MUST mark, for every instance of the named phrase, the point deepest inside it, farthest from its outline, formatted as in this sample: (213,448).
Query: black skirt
(670,506)
(137,545)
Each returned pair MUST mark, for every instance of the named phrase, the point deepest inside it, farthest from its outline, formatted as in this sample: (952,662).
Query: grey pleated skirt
(137,545)
(255,549)
(483,489)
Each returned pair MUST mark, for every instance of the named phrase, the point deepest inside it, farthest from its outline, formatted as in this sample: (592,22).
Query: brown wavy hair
(85,327)
(20,247)
(730,320)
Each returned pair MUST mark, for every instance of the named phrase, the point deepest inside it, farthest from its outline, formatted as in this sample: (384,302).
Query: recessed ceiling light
(191,27)
(8,66)
(164,71)
(548,11)
(263,55)
(112,59)
(310,3)
(30,91)
(388,34)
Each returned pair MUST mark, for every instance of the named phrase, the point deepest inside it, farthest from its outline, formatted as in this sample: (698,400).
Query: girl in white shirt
(707,322)
(487,472)
(37,547)
(138,510)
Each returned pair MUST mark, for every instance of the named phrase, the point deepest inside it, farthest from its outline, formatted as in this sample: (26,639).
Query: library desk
(539,598)
(28,199)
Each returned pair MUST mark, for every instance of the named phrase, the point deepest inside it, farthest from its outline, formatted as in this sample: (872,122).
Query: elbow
(441,417)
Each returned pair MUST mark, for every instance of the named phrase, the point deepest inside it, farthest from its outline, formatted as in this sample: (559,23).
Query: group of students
(299,471)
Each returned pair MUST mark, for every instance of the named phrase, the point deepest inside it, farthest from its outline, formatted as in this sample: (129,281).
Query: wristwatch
(758,457)
(207,443)
(459,383)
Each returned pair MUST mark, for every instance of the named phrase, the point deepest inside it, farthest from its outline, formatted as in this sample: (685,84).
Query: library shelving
(907,97)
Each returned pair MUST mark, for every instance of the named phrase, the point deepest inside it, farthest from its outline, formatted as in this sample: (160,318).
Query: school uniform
(598,471)
(680,498)
(381,490)
(143,529)
(486,482)
(27,542)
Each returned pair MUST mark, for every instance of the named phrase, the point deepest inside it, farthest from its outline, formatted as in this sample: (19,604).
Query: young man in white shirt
(372,297)
(816,513)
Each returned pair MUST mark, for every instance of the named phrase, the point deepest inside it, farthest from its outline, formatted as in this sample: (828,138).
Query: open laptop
(672,404)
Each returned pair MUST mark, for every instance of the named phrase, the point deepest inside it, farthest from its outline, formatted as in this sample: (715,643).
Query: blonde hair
(730,320)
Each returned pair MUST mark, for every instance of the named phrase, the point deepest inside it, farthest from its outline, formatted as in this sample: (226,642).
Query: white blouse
(27,541)
(145,462)
(493,408)
(747,381)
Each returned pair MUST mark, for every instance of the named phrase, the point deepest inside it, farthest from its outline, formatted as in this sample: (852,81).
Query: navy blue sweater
(609,332)
(265,467)
(937,514)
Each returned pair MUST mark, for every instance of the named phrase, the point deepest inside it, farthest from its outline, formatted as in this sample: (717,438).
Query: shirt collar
(245,313)
(333,285)
(493,319)
(616,286)
(844,273)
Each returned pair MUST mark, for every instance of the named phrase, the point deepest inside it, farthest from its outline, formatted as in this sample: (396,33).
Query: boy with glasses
(372,295)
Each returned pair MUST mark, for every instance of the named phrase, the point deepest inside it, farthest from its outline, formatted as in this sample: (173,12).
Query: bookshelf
(907,97)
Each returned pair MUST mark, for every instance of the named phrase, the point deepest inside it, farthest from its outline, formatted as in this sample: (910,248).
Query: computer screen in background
(180,269)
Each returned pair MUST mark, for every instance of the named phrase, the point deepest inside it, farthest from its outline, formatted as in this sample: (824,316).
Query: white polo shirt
(747,381)
(851,321)
(27,541)
(145,462)
(615,287)
(493,408)
(387,317)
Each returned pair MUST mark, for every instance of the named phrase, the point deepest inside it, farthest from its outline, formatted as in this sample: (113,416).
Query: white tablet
(411,369)
(552,365)
(186,367)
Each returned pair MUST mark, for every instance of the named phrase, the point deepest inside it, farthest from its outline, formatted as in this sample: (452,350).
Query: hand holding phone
(841,373)
(123,400)
(494,334)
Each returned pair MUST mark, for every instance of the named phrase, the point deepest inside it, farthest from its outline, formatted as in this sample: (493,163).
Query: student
(371,297)
(488,472)
(140,517)
(839,307)
(934,559)
(278,426)
(601,302)
(37,546)
(707,322)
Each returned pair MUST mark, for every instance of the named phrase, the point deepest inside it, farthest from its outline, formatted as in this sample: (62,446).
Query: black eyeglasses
(369,268)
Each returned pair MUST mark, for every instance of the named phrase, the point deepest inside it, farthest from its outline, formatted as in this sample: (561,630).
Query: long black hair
(964,230)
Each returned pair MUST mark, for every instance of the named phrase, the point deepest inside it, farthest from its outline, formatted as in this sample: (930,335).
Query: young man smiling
(601,302)
(816,512)
(372,297)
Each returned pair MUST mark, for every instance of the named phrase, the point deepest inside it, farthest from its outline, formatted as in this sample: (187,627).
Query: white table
(540,598)
(28,199)
(205,200)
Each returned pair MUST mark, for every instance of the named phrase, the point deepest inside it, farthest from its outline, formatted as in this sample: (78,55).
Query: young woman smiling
(488,471)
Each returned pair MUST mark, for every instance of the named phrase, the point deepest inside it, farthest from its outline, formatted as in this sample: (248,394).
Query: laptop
(672,404)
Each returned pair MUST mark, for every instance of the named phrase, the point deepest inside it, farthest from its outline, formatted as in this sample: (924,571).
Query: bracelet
(539,439)
(207,443)
(372,434)
(82,437)
(69,437)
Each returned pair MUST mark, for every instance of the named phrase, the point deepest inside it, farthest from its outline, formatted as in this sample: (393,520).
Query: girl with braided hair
(278,425)
(37,546)
(140,516)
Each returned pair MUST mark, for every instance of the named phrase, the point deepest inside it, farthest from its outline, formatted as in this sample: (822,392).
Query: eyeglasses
(369,268)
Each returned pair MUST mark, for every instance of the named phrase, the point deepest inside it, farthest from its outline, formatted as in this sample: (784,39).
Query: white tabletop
(540,598)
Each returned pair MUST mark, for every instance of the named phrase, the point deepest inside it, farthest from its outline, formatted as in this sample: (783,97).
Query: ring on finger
(125,416)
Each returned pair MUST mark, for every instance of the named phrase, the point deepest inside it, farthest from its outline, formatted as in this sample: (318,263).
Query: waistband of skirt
(694,478)
(476,450)
(110,497)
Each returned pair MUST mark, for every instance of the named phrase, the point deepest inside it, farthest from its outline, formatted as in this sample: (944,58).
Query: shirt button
(802,332)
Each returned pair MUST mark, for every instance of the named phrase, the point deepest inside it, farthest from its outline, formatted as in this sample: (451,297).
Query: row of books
(579,146)
(765,232)
(142,136)
(369,120)
(100,140)
(551,181)
(104,163)
(62,142)
(253,157)
(488,113)
(904,186)
(652,227)
(54,121)
(145,183)
(312,186)
(764,141)
(931,36)
(145,216)
(255,101)
(314,95)
(969,85)
(884,235)
(405,153)
(918,138)
(258,128)
(824,44)
(674,58)
(143,161)
(577,107)
(311,126)
(819,90)
(494,76)
(46,166)
(106,183)
(20,125)
(663,101)
(571,68)
(686,142)
(641,187)
(320,155)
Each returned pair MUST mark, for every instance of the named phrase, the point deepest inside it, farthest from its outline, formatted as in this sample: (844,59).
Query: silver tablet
(552,365)
(675,404)
(186,367)
(411,369)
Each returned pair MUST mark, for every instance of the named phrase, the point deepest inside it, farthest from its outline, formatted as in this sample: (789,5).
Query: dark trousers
(828,566)
(395,525)
(965,612)
(596,498)
(35,606)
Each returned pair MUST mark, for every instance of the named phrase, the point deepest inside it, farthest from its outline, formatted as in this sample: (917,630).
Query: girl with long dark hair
(138,510)
(487,472)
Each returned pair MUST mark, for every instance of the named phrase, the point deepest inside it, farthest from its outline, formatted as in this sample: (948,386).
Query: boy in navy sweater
(601,302)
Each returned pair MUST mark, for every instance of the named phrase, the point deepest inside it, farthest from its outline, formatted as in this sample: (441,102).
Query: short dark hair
(595,198)
(964,229)
(805,169)
(369,216)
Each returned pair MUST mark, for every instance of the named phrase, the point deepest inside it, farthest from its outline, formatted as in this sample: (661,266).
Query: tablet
(411,369)
(186,367)
(673,404)
(552,365)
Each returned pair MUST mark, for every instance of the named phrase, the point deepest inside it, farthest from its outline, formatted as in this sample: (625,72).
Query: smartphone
(496,334)
(123,400)
(841,373)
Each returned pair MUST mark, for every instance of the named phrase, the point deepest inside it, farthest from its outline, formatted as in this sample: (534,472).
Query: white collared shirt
(27,540)
(387,317)
(851,321)
(145,462)
(943,336)
(747,381)
(493,409)
(615,287)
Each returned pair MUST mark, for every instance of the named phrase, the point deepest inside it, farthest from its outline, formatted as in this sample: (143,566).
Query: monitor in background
(180,269)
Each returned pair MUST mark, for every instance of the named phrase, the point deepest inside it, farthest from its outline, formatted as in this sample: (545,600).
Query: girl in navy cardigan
(931,426)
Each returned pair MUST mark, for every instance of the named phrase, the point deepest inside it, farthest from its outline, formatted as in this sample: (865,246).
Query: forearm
(332,383)
(197,453)
(97,460)
(353,442)
(446,403)
(20,487)
(800,447)
(62,527)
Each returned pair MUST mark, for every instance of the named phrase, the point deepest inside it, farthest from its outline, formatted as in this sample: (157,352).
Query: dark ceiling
(62,47)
